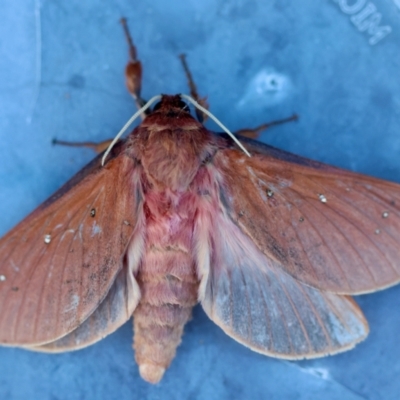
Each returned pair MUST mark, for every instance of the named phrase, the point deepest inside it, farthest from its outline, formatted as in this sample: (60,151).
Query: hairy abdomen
(168,284)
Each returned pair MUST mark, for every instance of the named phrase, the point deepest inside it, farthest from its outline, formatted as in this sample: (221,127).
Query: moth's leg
(97,147)
(133,70)
(133,76)
(255,132)
(193,90)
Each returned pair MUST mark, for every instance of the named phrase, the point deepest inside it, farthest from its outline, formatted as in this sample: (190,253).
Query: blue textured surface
(256,61)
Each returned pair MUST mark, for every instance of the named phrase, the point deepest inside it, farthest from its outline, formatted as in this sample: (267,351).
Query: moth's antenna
(126,126)
(217,121)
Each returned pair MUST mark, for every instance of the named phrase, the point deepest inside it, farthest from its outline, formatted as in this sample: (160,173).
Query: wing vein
(32,271)
(319,234)
(294,308)
(268,318)
(285,323)
(45,283)
(363,234)
(321,324)
(77,231)
(250,327)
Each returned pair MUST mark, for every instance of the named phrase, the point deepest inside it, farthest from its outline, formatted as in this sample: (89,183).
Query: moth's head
(171,105)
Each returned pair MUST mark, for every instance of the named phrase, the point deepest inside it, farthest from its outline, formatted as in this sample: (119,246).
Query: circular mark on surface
(268,87)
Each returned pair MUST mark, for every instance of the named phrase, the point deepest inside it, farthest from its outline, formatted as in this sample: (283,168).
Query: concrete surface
(61,75)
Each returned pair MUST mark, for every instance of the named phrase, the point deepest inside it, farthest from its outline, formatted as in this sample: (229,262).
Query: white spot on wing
(283,183)
(73,304)
(322,198)
(80,232)
(67,231)
(14,266)
(95,229)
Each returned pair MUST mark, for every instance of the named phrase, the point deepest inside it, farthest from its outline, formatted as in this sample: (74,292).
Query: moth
(272,245)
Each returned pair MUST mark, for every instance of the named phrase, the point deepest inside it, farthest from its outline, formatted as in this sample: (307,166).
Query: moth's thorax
(171,146)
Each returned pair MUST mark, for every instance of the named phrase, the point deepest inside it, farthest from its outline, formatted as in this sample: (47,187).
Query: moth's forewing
(60,262)
(254,301)
(332,229)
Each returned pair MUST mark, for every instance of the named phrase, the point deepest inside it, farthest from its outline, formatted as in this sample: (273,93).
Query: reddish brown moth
(271,245)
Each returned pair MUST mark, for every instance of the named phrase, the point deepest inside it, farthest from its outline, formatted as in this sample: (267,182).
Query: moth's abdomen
(169,290)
